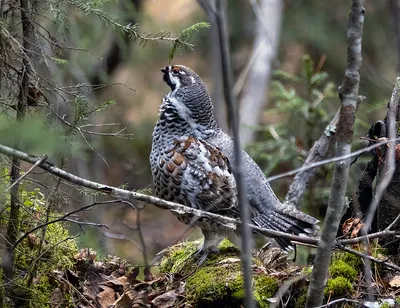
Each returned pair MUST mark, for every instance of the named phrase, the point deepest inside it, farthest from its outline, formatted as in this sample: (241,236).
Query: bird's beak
(166,77)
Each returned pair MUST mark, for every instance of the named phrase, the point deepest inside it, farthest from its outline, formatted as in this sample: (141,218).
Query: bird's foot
(203,253)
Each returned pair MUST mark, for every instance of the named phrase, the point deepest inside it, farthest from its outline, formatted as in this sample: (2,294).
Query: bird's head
(179,76)
(189,97)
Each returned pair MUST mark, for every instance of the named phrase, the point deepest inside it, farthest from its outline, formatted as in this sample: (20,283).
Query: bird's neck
(177,116)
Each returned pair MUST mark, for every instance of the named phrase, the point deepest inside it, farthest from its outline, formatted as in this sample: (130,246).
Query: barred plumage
(191,161)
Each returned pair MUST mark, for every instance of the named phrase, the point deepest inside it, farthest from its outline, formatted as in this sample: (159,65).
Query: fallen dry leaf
(106,297)
(56,298)
(126,300)
(395,282)
(165,300)
(352,225)
(119,284)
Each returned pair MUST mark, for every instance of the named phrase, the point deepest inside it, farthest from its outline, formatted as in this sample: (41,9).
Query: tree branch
(348,94)
(371,258)
(331,160)
(317,152)
(44,157)
(126,195)
(343,300)
(233,114)
(389,164)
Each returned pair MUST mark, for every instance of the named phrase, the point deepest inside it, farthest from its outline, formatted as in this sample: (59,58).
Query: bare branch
(371,258)
(317,152)
(348,94)
(331,160)
(127,197)
(63,218)
(342,300)
(371,236)
(44,157)
(389,164)
(233,113)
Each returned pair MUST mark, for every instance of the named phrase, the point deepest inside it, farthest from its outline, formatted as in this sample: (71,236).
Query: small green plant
(303,99)
(304,105)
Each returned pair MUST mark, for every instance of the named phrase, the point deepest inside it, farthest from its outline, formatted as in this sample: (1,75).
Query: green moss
(180,257)
(265,288)
(37,262)
(341,269)
(301,301)
(177,257)
(385,305)
(221,285)
(219,281)
(350,259)
(227,247)
(338,286)
(214,285)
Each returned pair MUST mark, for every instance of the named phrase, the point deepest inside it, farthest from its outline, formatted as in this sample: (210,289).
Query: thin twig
(233,114)
(393,223)
(62,218)
(331,160)
(371,236)
(44,157)
(343,300)
(365,256)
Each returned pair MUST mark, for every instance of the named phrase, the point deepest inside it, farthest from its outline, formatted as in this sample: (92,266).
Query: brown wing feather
(196,174)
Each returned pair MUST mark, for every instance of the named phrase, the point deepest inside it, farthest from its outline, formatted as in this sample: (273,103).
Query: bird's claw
(203,254)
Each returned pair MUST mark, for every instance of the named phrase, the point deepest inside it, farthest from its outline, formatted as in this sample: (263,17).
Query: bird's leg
(209,246)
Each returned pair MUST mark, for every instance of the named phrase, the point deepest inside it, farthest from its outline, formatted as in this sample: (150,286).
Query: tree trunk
(264,50)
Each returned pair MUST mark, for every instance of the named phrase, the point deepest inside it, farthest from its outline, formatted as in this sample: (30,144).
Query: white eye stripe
(183,73)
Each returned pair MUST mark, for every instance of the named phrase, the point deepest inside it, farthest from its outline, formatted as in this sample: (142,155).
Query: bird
(192,163)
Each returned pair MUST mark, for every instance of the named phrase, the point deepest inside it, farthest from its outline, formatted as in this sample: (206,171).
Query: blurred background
(287,57)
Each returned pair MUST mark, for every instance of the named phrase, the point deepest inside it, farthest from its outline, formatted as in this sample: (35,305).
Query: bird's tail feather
(289,220)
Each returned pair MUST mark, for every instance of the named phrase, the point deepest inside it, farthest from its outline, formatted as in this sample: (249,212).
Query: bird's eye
(175,71)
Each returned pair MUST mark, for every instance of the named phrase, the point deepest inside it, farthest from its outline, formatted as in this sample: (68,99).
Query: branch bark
(128,197)
(320,150)
(233,113)
(389,164)
(348,94)
(302,179)
(132,196)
